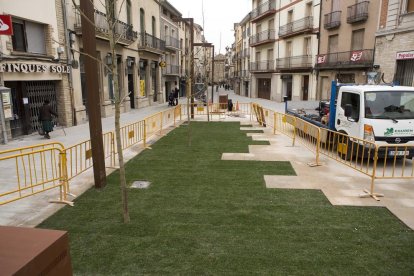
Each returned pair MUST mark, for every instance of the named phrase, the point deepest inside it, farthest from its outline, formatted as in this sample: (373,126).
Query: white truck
(381,114)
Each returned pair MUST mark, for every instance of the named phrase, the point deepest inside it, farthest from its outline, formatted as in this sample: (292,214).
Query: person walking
(176,91)
(45,117)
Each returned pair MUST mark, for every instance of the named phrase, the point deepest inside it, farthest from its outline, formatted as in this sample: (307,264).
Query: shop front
(30,85)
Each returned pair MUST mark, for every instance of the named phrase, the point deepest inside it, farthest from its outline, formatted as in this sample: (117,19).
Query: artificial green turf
(205,216)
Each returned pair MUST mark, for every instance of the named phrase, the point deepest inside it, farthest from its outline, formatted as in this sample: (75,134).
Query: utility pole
(212,77)
(93,102)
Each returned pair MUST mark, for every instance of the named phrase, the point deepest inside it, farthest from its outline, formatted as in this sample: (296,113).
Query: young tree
(110,6)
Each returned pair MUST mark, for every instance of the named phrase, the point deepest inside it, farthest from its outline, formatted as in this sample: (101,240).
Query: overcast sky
(219,17)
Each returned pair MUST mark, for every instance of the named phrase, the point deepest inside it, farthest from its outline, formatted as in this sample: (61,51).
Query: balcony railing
(296,62)
(172,42)
(172,69)
(149,41)
(298,26)
(124,32)
(356,58)
(263,37)
(263,66)
(332,20)
(263,10)
(357,12)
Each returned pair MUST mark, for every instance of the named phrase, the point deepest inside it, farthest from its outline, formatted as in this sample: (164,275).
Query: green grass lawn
(205,216)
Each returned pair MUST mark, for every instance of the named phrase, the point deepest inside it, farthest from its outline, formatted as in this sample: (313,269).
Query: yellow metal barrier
(132,134)
(38,170)
(79,156)
(153,124)
(31,148)
(34,172)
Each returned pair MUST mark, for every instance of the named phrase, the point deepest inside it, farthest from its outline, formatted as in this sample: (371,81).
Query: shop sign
(405,55)
(6,27)
(32,68)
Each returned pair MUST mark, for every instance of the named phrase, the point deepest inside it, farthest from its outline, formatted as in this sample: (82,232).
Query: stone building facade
(394,45)
(346,42)
(44,59)
(34,66)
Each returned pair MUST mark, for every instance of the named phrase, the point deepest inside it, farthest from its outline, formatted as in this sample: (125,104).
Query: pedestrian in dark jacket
(45,117)
(176,90)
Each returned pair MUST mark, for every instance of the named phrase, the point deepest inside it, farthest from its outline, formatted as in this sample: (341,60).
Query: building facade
(44,58)
(171,35)
(34,65)
(394,44)
(244,73)
(284,44)
(346,43)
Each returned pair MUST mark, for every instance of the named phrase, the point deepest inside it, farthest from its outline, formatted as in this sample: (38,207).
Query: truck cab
(377,113)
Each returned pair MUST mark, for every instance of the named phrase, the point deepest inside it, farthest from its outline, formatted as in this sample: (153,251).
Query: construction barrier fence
(39,168)
(375,161)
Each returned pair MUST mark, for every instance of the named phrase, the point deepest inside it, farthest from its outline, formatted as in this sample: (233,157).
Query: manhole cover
(140,184)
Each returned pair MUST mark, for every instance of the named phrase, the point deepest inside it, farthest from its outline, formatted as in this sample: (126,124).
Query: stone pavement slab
(341,184)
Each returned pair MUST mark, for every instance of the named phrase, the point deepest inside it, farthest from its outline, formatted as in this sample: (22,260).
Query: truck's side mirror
(348,110)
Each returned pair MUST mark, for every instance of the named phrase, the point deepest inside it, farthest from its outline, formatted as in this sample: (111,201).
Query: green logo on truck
(389,132)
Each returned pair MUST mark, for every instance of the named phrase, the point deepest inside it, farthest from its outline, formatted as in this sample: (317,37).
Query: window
(410,5)
(290,16)
(333,44)
(288,49)
(154,27)
(28,37)
(110,86)
(309,10)
(336,5)
(358,39)
(307,46)
(353,100)
(128,11)
(142,20)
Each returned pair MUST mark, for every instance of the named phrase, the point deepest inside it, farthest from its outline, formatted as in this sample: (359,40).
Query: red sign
(6,27)
(356,55)
(405,55)
(321,59)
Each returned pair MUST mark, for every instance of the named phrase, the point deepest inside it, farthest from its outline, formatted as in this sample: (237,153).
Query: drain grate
(140,184)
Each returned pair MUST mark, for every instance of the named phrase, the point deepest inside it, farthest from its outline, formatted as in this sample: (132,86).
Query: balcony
(357,12)
(262,38)
(171,70)
(296,62)
(332,20)
(172,43)
(262,66)
(124,32)
(263,10)
(351,59)
(150,43)
(301,26)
